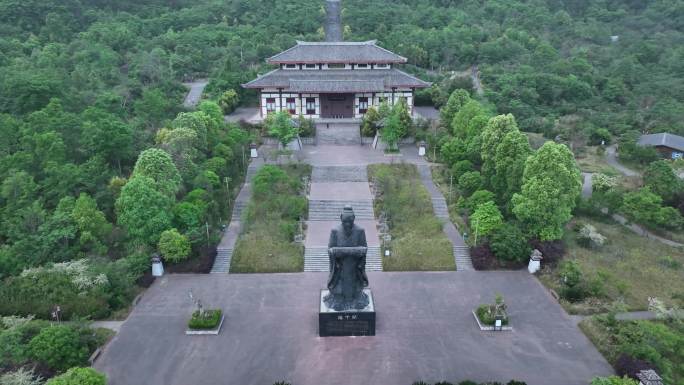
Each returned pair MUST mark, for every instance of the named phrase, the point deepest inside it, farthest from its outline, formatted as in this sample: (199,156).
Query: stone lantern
(535,261)
(253,150)
(157,266)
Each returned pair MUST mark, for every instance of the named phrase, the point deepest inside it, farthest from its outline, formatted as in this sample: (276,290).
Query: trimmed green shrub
(509,243)
(79,376)
(174,246)
(209,320)
(486,315)
(59,347)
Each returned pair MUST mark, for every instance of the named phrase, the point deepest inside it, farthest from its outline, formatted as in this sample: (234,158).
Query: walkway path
(611,158)
(333,187)
(475,76)
(587,191)
(439,205)
(195,93)
(111,325)
(643,232)
(587,186)
(224,251)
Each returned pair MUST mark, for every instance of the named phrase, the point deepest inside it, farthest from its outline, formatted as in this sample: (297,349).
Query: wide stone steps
(424,171)
(252,169)
(222,261)
(316,259)
(339,174)
(339,141)
(238,209)
(463,260)
(440,207)
(330,210)
(338,134)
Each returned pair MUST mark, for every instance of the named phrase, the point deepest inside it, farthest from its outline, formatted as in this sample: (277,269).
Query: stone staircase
(222,261)
(339,174)
(252,170)
(439,205)
(316,259)
(338,134)
(462,256)
(329,210)
(238,209)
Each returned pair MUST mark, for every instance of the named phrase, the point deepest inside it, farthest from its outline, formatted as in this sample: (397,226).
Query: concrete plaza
(425,331)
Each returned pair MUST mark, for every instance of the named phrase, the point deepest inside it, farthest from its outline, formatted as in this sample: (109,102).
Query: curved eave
(270,61)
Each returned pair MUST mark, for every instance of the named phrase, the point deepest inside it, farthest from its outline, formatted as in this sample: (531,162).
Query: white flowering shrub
(78,271)
(590,236)
(13,321)
(22,376)
(602,182)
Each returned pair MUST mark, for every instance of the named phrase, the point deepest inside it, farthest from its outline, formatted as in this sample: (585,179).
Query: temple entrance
(337,106)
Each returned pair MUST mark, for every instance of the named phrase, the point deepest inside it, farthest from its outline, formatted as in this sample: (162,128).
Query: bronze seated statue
(347,254)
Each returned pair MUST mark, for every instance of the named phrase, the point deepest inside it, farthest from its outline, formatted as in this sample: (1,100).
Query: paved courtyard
(425,331)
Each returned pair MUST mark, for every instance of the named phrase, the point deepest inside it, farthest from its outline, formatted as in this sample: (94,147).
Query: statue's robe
(348,268)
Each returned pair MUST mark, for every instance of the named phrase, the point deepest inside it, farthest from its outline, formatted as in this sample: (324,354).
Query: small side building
(669,146)
(649,377)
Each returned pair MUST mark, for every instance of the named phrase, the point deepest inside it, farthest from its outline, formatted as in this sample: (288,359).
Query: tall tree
(157,165)
(457,99)
(509,165)
(143,210)
(551,186)
(497,127)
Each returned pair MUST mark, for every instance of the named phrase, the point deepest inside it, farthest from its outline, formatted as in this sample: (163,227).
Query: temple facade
(334,80)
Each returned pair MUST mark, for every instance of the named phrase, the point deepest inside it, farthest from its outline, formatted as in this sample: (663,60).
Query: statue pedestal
(332,323)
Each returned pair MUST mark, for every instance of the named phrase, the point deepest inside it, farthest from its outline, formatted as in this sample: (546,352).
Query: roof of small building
(336,52)
(649,377)
(662,139)
(336,81)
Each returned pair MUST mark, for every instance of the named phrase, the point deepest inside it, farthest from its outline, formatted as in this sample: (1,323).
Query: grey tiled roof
(336,52)
(649,377)
(662,139)
(336,80)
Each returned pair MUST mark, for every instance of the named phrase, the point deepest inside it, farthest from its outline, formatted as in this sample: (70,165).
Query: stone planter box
(206,332)
(490,328)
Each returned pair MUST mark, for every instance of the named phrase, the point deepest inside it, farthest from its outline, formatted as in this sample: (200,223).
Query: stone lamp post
(535,261)
(421,148)
(157,266)
(253,150)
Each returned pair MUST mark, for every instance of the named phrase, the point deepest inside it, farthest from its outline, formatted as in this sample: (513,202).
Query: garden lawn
(627,267)
(271,222)
(418,242)
(658,342)
(592,159)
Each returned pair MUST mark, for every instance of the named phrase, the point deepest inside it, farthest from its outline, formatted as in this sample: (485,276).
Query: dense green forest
(88,85)
(100,165)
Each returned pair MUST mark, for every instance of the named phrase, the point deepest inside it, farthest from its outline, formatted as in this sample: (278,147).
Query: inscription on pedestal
(333,323)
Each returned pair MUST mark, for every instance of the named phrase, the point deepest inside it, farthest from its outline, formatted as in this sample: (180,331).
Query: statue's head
(347,218)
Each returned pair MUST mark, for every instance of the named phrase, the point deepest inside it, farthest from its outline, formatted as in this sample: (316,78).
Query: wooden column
(280,98)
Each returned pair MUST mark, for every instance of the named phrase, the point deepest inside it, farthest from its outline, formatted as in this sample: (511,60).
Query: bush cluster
(26,342)
(209,320)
